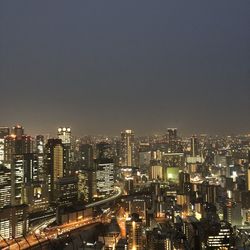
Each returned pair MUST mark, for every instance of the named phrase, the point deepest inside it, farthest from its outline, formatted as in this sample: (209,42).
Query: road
(52,233)
(115,196)
(55,232)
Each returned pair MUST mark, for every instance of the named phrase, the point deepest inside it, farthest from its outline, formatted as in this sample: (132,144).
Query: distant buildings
(128,148)
(178,193)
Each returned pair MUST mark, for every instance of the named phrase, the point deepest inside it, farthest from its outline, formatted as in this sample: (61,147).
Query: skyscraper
(134,232)
(172,140)
(17,180)
(194,146)
(248,178)
(104,179)
(55,163)
(127,148)
(4,131)
(172,134)
(64,133)
(40,154)
(104,151)
(17,144)
(184,178)
(86,156)
(18,131)
(5,186)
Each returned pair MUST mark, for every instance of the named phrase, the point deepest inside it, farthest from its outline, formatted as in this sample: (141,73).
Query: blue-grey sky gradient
(102,66)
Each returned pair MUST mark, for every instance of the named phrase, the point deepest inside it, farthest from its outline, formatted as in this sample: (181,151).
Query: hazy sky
(103,66)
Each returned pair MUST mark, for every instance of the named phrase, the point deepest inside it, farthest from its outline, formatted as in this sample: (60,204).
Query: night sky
(103,66)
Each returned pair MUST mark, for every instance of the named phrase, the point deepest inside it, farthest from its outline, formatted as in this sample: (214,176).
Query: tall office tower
(17,131)
(172,139)
(134,232)
(248,154)
(66,191)
(172,134)
(14,221)
(194,146)
(17,144)
(86,156)
(4,131)
(84,185)
(40,154)
(104,169)
(248,179)
(64,133)
(104,179)
(104,151)
(128,148)
(184,179)
(30,168)
(209,192)
(17,180)
(55,163)
(5,186)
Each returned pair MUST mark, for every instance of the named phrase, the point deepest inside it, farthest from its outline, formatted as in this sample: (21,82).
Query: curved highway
(31,240)
(115,196)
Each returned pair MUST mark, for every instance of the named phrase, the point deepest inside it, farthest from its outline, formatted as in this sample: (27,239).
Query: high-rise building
(172,134)
(134,232)
(17,180)
(104,179)
(17,144)
(144,159)
(4,131)
(86,156)
(5,186)
(40,154)
(104,151)
(84,185)
(184,178)
(55,163)
(128,149)
(194,146)
(155,172)
(30,168)
(13,221)
(64,133)
(172,139)
(248,178)
(66,190)
(18,131)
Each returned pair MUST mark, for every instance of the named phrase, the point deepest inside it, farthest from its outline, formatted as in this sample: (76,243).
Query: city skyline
(124,125)
(105,67)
